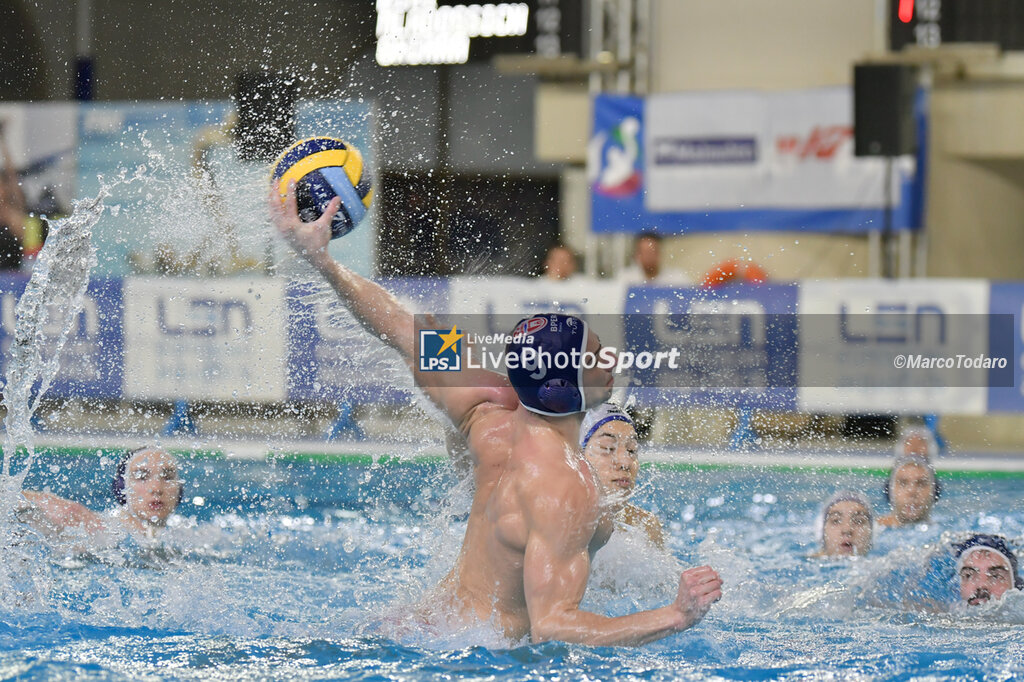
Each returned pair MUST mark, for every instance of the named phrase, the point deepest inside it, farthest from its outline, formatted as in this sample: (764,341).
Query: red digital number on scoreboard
(906,11)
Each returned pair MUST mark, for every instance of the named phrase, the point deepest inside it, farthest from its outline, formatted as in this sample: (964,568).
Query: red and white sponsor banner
(714,151)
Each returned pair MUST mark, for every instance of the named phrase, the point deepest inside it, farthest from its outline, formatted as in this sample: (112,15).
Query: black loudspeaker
(266,115)
(883,109)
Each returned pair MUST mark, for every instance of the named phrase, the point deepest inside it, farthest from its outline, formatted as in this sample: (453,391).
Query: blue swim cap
(549,376)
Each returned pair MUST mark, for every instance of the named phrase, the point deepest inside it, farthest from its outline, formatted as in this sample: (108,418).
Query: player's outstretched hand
(309,240)
(699,588)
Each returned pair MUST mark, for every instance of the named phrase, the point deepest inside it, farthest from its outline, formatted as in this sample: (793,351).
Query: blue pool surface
(292,570)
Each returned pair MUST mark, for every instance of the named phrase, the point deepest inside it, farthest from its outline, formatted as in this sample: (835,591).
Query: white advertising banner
(855,334)
(716,151)
(215,339)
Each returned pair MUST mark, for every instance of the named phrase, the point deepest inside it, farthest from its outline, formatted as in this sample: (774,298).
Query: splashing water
(265,588)
(52,299)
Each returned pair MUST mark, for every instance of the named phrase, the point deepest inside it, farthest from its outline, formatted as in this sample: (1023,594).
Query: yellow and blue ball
(323,168)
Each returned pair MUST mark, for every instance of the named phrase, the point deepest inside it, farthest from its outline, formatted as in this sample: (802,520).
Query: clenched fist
(699,588)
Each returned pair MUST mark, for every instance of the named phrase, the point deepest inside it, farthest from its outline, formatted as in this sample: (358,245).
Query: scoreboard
(422,32)
(934,22)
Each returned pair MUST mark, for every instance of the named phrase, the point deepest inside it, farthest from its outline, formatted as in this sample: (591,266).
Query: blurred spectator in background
(41,215)
(220,245)
(647,270)
(560,264)
(647,267)
(912,490)
(13,211)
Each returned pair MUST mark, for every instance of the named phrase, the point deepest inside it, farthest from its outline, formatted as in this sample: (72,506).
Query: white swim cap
(904,460)
(600,415)
(917,432)
(962,559)
(845,496)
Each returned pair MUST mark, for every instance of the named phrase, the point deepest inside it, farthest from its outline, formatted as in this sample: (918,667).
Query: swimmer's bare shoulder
(547,469)
(561,511)
(638,517)
(487,422)
(519,470)
(889,521)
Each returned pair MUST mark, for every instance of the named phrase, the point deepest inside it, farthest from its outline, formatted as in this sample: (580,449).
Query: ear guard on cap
(559,395)
(544,383)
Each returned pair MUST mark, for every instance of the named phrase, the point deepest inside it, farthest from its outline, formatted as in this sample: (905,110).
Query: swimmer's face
(912,493)
(612,452)
(847,529)
(985,575)
(915,445)
(151,486)
(597,382)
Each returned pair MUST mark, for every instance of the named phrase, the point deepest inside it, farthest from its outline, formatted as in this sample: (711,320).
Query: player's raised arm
(52,515)
(555,572)
(378,311)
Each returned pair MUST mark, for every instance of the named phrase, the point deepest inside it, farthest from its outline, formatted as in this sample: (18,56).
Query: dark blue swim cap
(996,543)
(549,375)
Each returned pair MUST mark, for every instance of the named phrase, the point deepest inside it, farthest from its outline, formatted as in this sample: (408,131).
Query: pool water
(291,569)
